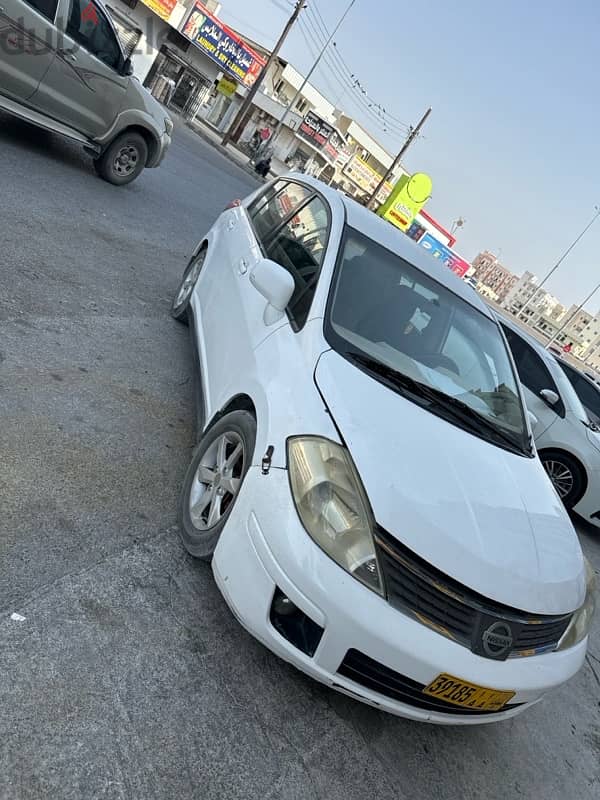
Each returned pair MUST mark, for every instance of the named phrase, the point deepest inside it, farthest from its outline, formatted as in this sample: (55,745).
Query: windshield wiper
(456,408)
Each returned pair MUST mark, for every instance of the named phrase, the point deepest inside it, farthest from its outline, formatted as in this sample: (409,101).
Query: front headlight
(333,507)
(582,619)
(169,125)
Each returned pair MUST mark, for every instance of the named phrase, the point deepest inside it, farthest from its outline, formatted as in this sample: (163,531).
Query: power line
(349,87)
(313,13)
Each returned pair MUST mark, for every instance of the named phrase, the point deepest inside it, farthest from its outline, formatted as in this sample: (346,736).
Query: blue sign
(444,254)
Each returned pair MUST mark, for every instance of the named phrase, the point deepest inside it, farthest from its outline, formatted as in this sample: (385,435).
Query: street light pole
(414,132)
(251,94)
(573,315)
(289,108)
(561,259)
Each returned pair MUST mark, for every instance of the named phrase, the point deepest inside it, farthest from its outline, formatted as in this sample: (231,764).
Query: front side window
(89,26)
(271,209)
(415,335)
(46,7)
(299,246)
(534,374)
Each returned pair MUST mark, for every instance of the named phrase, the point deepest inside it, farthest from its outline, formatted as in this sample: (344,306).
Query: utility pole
(572,317)
(414,132)
(300,4)
(560,260)
(290,106)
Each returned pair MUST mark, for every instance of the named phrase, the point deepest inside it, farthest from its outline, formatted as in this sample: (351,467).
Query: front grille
(487,628)
(375,676)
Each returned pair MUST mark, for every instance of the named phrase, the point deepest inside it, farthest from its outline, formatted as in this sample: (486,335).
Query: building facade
(490,273)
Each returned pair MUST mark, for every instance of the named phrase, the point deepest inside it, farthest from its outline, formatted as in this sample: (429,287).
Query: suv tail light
(233,204)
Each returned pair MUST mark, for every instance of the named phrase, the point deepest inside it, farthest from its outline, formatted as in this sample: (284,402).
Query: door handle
(68,55)
(243,268)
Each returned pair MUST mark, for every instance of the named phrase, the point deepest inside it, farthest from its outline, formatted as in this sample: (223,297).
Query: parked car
(62,68)
(365,483)
(567,443)
(586,388)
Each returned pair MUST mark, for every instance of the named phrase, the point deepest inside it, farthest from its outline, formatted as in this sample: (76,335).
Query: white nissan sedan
(365,482)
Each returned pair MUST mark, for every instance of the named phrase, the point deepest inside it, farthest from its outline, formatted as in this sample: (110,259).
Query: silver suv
(62,68)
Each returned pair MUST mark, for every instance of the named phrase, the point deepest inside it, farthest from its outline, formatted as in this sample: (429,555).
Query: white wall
(154,33)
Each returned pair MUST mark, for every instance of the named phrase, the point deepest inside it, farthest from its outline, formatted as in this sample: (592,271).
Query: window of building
(301,106)
(278,86)
(46,7)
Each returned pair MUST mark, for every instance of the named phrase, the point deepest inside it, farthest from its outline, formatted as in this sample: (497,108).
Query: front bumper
(264,546)
(161,151)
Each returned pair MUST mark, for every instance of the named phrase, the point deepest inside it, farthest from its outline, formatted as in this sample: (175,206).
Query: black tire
(566,474)
(124,159)
(198,535)
(181,299)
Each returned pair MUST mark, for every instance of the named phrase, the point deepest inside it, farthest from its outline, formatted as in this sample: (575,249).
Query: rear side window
(589,396)
(532,371)
(46,7)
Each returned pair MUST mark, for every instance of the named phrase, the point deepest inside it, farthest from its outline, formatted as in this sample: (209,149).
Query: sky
(512,143)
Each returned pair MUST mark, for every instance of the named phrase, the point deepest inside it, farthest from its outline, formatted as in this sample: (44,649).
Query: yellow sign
(163,8)
(407,198)
(364,175)
(226,86)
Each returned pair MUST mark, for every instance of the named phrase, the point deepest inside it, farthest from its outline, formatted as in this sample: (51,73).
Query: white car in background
(567,441)
(365,483)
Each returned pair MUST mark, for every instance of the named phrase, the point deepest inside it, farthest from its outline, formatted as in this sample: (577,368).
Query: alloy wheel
(217,481)
(561,476)
(189,281)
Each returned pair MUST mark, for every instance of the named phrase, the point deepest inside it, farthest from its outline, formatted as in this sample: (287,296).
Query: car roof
(390,237)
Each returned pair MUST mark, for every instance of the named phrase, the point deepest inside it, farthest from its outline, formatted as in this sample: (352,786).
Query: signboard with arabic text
(222,45)
(321,135)
(163,8)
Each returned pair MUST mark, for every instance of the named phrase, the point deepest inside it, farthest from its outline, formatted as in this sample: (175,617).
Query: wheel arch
(147,135)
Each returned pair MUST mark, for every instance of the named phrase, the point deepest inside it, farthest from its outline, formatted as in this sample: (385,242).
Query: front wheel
(213,482)
(123,160)
(566,475)
(181,301)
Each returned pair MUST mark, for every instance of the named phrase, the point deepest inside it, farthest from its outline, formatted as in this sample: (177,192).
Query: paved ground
(128,677)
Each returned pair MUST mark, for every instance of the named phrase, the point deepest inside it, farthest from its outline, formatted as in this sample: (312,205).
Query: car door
(535,377)
(586,391)
(84,87)
(28,39)
(284,224)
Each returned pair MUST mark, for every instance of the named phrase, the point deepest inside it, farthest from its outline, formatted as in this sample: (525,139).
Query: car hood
(486,517)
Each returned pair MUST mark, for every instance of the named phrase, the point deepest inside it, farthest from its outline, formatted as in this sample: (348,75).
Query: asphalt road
(128,676)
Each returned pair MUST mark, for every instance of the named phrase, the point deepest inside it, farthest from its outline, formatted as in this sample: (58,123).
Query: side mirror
(533,420)
(277,287)
(127,68)
(549,396)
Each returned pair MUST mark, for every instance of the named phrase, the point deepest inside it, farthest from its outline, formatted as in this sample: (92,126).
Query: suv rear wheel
(124,159)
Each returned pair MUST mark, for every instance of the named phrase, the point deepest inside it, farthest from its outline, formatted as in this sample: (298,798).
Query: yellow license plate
(467,695)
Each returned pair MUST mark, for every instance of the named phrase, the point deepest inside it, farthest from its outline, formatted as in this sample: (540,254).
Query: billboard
(365,176)
(321,135)
(161,7)
(408,197)
(451,259)
(220,43)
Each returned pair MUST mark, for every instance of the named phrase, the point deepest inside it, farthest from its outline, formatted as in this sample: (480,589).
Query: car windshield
(406,329)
